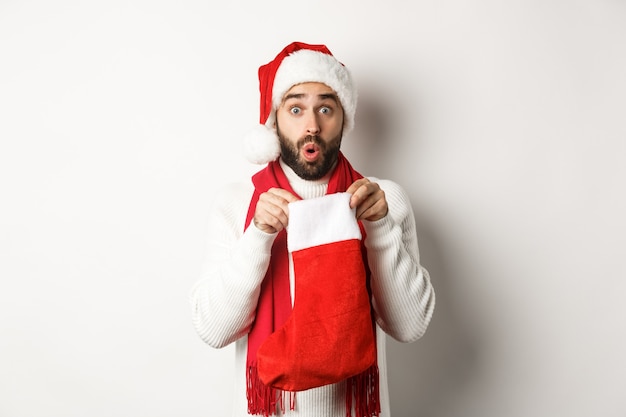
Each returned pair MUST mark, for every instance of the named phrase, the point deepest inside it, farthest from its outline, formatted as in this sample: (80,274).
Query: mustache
(311,139)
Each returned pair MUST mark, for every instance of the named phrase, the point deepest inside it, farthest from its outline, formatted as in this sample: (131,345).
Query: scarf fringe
(264,400)
(363,394)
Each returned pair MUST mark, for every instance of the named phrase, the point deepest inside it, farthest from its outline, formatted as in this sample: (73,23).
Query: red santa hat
(297,63)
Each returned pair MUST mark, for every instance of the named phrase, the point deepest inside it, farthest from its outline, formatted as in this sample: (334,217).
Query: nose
(312,125)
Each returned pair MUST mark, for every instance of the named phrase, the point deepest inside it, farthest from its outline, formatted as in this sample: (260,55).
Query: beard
(291,154)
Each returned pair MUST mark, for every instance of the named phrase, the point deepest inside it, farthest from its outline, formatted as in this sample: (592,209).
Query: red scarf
(274,304)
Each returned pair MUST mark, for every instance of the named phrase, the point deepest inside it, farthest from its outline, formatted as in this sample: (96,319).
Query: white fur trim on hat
(306,65)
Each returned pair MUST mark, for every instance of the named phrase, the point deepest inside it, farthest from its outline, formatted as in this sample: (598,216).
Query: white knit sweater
(224,300)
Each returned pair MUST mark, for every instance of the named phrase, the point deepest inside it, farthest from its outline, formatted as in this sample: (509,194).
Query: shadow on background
(426,377)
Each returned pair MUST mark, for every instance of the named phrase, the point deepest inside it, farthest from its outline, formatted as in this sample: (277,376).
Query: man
(310,264)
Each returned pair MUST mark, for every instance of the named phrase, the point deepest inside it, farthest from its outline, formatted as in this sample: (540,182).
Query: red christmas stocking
(329,335)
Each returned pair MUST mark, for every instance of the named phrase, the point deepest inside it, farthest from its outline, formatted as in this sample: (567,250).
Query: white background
(504,121)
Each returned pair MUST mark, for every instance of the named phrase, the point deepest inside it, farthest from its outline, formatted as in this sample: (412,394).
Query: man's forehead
(310,89)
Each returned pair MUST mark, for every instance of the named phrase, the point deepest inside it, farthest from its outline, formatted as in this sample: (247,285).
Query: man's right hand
(272,213)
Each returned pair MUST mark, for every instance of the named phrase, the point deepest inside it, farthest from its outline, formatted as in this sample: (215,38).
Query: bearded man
(310,265)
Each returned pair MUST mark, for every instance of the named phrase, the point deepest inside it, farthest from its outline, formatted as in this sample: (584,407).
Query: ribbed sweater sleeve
(403,297)
(224,300)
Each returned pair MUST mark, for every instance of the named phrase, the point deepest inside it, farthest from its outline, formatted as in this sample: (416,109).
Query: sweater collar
(305,188)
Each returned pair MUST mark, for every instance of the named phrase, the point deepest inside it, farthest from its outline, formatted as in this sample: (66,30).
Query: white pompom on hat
(297,63)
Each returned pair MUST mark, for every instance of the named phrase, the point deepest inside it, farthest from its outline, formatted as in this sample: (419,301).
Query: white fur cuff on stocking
(322,220)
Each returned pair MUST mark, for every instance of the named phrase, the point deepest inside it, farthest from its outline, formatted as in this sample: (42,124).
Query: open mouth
(310,151)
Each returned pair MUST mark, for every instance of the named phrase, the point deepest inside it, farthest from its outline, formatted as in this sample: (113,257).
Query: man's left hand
(369,200)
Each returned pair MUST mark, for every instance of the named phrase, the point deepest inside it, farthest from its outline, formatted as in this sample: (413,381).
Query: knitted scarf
(274,306)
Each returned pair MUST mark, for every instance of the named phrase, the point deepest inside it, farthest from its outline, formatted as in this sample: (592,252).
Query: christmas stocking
(329,335)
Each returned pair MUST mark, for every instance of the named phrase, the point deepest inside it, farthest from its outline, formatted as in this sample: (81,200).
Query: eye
(295,110)
(325,110)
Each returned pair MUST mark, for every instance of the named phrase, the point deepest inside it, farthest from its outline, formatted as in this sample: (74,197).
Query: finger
(275,215)
(374,206)
(356,184)
(283,194)
(271,214)
(365,205)
(363,193)
(360,190)
(270,218)
(372,212)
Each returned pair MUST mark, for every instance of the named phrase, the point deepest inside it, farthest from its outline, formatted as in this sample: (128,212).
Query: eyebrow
(325,96)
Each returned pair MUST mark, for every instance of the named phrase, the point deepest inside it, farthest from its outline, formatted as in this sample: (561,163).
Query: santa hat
(297,63)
